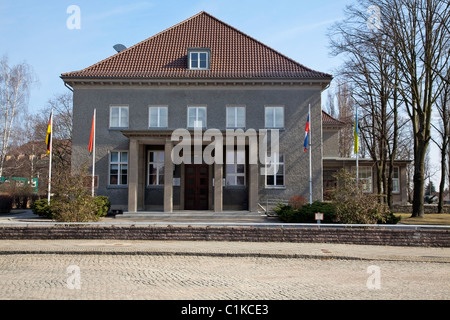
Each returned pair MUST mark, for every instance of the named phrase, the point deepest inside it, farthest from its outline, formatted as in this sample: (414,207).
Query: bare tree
(443,140)
(418,29)
(369,68)
(62,127)
(15,82)
(412,40)
(345,106)
(330,107)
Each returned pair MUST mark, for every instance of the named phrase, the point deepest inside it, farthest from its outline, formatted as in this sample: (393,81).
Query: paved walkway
(227,249)
(199,270)
(211,248)
(164,270)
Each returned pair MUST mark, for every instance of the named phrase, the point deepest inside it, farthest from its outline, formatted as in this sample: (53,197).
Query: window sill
(276,187)
(235,187)
(117,128)
(121,186)
(235,128)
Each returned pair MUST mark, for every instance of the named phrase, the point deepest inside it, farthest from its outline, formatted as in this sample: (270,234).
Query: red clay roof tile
(233,55)
(327,119)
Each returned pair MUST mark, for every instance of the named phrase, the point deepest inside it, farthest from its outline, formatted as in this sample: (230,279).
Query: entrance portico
(181,186)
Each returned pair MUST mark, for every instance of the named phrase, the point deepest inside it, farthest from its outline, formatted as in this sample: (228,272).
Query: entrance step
(197,216)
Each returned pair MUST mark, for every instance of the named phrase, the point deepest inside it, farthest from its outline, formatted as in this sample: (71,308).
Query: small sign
(319,216)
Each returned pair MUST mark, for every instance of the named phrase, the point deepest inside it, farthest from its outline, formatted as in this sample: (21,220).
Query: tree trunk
(442,183)
(418,179)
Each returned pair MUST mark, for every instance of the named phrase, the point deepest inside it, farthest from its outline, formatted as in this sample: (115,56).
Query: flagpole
(50,159)
(357,150)
(310,158)
(93,154)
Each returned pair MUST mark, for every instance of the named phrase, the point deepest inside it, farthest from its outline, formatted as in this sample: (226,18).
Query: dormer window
(198,58)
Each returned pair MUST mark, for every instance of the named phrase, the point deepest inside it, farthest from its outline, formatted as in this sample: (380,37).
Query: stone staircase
(197,217)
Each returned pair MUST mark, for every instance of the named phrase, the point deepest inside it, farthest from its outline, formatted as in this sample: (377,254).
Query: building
(332,163)
(201,79)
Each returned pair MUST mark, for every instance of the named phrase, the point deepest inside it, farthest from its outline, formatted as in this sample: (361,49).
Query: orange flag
(91,140)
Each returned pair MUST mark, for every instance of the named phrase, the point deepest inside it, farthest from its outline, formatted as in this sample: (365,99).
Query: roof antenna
(119,47)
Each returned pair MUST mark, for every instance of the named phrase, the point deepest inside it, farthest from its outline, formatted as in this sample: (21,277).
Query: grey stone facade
(137,139)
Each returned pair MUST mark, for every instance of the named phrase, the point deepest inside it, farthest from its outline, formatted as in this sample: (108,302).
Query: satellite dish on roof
(119,47)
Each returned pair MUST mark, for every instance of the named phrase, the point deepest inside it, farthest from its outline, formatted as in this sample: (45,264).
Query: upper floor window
(118,117)
(235,117)
(158,117)
(198,59)
(196,117)
(274,117)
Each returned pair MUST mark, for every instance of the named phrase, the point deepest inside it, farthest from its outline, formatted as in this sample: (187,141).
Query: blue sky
(36,31)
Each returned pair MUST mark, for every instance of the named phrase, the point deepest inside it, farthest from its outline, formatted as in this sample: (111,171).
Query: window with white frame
(235,117)
(118,117)
(365,178)
(158,116)
(235,168)
(198,59)
(395,179)
(196,117)
(118,168)
(275,171)
(155,168)
(274,117)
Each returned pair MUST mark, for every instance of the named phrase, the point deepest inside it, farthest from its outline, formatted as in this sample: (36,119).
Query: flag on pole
(91,140)
(49,142)
(356,135)
(306,134)
(48,139)
(92,151)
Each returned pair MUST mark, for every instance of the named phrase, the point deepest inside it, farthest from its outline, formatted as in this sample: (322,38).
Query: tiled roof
(233,55)
(328,120)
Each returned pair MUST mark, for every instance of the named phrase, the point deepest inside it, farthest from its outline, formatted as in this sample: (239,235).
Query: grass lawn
(431,218)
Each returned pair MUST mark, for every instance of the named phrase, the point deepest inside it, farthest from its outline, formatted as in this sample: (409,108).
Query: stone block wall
(362,236)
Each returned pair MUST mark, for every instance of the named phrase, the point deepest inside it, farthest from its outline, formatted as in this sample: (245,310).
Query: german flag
(48,139)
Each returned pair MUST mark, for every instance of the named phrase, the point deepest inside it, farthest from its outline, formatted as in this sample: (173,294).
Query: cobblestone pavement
(219,271)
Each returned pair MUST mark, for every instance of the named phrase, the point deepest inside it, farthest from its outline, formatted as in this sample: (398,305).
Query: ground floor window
(155,167)
(275,178)
(395,179)
(118,168)
(235,169)
(365,178)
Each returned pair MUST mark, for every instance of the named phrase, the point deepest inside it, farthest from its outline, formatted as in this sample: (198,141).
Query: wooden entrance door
(196,187)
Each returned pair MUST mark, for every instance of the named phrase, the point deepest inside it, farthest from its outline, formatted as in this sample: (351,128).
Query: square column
(133,175)
(168,176)
(253,175)
(218,189)
(253,188)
